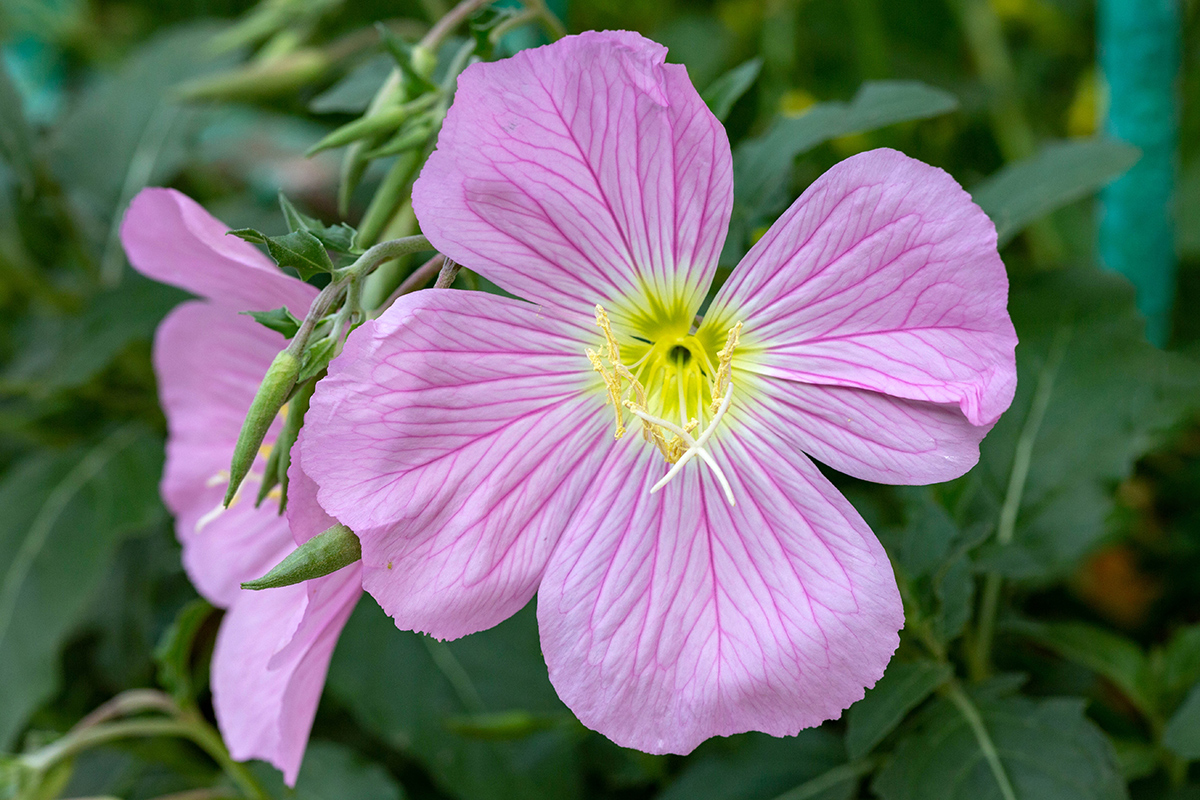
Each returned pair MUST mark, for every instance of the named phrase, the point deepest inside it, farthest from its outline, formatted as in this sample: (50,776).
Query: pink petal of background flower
(274,646)
(209,362)
(169,237)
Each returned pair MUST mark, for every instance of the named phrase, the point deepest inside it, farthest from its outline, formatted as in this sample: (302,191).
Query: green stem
(975,721)
(981,654)
(828,780)
(448,23)
(133,701)
(362,267)
(185,726)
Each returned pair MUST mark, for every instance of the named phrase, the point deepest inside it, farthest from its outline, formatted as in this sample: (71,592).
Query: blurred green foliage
(1051,647)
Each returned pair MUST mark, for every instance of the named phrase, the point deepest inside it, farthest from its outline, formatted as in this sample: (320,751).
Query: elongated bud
(282,75)
(321,555)
(272,393)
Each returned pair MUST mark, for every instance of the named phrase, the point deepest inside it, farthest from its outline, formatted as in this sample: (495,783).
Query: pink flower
(696,576)
(274,646)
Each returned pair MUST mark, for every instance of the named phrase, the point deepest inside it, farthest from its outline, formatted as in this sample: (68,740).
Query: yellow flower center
(674,384)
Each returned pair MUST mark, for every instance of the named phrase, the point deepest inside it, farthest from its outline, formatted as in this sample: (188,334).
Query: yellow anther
(612,383)
(614,349)
(724,369)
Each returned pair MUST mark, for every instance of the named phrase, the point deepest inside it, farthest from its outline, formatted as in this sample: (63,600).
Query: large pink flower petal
(584,171)
(869,435)
(209,362)
(455,435)
(882,276)
(673,617)
(171,238)
(269,666)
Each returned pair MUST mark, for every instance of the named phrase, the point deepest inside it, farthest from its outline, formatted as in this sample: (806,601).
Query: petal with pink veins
(455,435)
(209,363)
(872,436)
(269,666)
(670,618)
(170,237)
(585,171)
(883,276)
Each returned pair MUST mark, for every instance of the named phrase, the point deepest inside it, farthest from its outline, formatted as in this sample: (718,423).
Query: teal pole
(1139,43)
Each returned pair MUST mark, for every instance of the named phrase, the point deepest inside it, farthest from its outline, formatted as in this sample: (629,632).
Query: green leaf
(492,672)
(902,688)
(1115,657)
(726,90)
(279,319)
(1109,397)
(1182,734)
(763,166)
(330,772)
(339,238)
(1063,172)
(755,766)
(300,250)
(16,140)
(1048,748)
(63,352)
(130,131)
(174,654)
(333,772)
(64,515)
(1179,665)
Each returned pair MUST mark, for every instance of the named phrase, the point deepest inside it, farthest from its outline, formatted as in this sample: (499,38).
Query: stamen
(724,369)
(682,446)
(696,447)
(613,384)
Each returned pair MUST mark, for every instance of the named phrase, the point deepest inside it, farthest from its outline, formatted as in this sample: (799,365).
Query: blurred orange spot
(1115,587)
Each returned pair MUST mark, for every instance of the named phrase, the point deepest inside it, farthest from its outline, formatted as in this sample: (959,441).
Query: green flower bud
(273,392)
(321,555)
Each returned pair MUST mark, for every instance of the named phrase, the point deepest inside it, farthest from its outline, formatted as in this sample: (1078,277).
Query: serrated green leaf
(173,655)
(1061,173)
(498,670)
(339,238)
(64,514)
(725,91)
(279,319)
(755,766)
(763,166)
(1182,734)
(1115,657)
(904,686)
(1110,398)
(301,251)
(1048,748)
